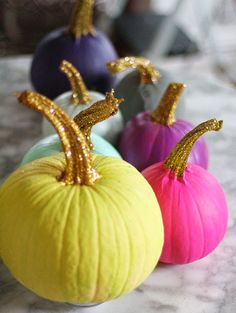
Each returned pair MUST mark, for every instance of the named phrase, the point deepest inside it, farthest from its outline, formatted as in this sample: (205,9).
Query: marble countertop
(206,286)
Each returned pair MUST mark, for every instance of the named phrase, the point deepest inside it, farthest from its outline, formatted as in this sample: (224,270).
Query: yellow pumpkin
(78,228)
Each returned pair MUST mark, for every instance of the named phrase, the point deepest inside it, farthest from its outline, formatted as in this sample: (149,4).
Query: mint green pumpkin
(52,145)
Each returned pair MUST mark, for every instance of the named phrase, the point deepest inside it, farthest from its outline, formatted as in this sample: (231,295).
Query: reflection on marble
(206,286)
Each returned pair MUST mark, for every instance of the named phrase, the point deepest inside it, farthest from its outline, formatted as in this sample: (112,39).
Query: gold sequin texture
(147,71)
(80,94)
(178,158)
(165,112)
(82,19)
(98,112)
(79,168)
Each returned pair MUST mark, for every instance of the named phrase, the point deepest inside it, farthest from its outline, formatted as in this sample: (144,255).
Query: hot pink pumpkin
(192,202)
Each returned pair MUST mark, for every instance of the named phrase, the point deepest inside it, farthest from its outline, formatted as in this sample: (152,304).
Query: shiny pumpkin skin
(52,145)
(108,129)
(194,211)
(79,244)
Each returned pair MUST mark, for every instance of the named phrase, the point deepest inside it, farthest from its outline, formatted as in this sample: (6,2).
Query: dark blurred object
(25,22)
(137,28)
(138,6)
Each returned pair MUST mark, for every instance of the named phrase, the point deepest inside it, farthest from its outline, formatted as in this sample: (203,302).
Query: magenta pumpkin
(193,204)
(150,136)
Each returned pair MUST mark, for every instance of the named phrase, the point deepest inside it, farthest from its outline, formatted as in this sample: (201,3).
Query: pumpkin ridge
(130,258)
(171,221)
(137,282)
(88,194)
(44,190)
(67,208)
(171,196)
(114,231)
(219,235)
(16,270)
(128,241)
(145,259)
(114,227)
(78,196)
(43,166)
(172,218)
(96,291)
(39,194)
(222,233)
(153,146)
(185,221)
(197,210)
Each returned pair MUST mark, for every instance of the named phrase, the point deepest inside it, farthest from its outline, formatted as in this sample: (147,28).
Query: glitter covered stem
(165,112)
(77,153)
(80,93)
(82,19)
(98,112)
(178,158)
(147,71)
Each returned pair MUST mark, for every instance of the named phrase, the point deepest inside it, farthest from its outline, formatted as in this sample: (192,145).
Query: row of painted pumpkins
(86,228)
(82,227)
(137,143)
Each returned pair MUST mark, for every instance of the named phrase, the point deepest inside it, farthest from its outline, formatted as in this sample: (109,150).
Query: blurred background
(154,28)
(24,22)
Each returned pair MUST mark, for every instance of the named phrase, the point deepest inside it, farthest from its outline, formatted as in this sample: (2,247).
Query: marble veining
(206,286)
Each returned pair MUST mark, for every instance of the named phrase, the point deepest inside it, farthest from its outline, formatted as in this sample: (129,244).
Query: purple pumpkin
(150,136)
(86,48)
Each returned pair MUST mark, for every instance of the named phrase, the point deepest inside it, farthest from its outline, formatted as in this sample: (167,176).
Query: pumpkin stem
(98,112)
(81,23)
(178,158)
(80,94)
(165,112)
(79,168)
(147,71)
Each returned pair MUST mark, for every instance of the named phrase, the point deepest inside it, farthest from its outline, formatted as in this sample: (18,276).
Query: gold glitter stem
(147,71)
(165,112)
(178,158)
(98,112)
(80,93)
(77,153)
(81,23)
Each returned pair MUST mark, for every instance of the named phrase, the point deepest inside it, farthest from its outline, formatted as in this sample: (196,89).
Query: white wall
(193,15)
